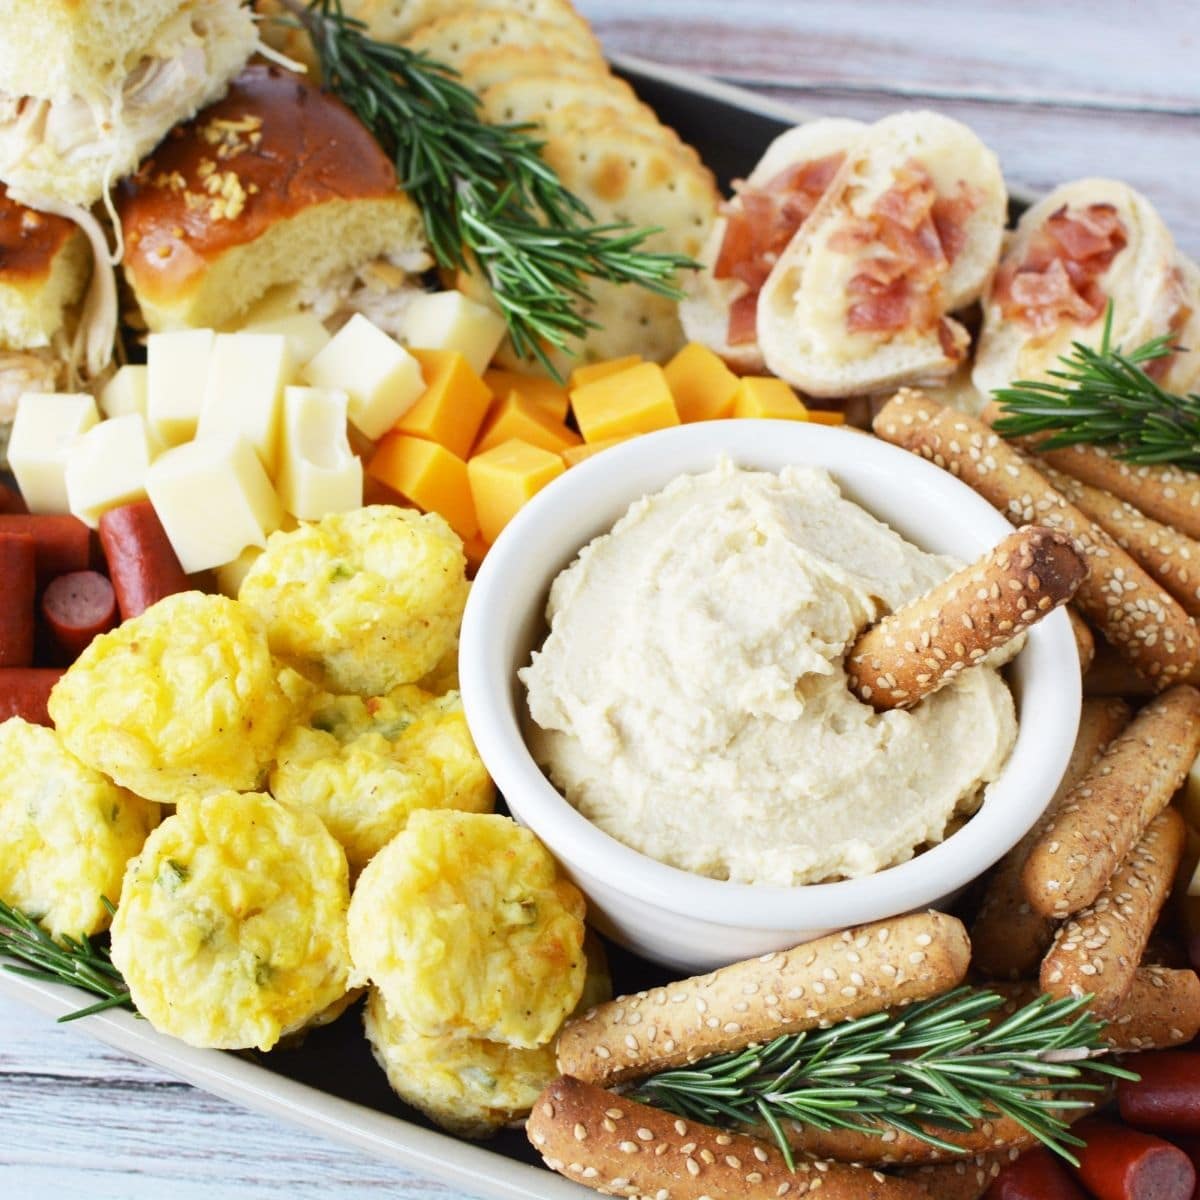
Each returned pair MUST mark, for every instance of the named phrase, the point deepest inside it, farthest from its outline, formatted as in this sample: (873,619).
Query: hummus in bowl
(690,698)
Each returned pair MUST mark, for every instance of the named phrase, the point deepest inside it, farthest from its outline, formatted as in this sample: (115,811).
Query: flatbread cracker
(453,40)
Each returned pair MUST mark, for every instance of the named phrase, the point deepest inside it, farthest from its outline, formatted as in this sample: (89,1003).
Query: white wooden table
(1061,90)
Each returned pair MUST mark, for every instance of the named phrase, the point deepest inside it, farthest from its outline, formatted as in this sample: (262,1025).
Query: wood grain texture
(1080,87)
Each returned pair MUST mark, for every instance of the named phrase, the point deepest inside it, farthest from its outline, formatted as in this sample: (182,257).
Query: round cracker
(486,68)
(453,40)
(397,19)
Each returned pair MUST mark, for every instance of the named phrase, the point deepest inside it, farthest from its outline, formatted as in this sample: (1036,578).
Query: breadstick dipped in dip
(1171,557)
(1008,936)
(921,647)
(1118,596)
(1105,813)
(1098,950)
(624,1148)
(849,974)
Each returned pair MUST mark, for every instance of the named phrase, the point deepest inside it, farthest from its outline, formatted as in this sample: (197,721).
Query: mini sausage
(25,692)
(1119,1163)
(141,563)
(63,543)
(1036,1175)
(18,587)
(1167,1097)
(77,607)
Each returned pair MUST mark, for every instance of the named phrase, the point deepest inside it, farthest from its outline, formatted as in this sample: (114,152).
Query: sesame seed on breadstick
(849,974)
(1098,950)
(1161,1010)
(1168,555)
(964,1179)
(622,1148)
(921,647)
(1132,611)
(1168,494)
(1008,936)
(1102,817)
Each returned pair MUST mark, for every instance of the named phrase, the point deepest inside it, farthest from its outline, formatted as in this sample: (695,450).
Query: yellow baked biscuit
(470,1086)
(231,931)
(361,601)
(453,39)
(364,766)
(184,698)
(465,925)
(66,832)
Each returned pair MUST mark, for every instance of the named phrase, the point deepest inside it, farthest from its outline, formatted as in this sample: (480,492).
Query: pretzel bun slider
(921,647)
(1145,624)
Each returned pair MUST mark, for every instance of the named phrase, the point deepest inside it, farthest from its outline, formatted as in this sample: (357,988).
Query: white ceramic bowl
(688,921)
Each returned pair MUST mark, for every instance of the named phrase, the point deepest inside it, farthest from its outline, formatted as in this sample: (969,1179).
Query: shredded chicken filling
(380,290)
(22,371)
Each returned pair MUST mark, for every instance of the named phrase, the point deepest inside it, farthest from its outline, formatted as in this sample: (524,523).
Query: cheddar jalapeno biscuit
(465,925)
(184,698)
(361,601)
(231,930)
(364,766)
(66,832)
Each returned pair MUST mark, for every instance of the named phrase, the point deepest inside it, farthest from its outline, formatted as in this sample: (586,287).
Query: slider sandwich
(44,267)
(274,200)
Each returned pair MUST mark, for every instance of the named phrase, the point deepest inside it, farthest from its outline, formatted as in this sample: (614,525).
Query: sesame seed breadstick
(1110,675)
(1161,1010)
(1008,937)
(1118,596)
(964,1179)
(1166,493)
(1102,817)
(1085,640)
(849,974)
(921,647)
(622,1148)
(1168,555)
(1098,950)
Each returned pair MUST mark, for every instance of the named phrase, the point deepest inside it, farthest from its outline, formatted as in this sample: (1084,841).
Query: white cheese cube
(318,472)
(177,371)
(125,392)
(214,499)
(381,378)
(449,321)
(107,467)
(45,428)
(247,373)
(306,336)
(230,575)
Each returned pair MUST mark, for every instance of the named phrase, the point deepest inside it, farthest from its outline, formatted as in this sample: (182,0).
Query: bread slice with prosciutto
(1084,244)
(909,233)
(754,228)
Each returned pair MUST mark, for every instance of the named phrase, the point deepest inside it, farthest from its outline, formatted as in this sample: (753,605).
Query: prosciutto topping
(758,229)
(1059,278)
(914,235)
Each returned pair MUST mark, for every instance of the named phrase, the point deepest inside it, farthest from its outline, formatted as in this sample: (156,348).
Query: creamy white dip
(690,698)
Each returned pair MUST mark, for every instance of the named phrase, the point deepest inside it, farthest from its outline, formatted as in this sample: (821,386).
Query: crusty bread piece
(705,307)
(499,64)
(393,20)
(44,265)
(1183,372)
(277,184)
(803,310)
(91,126)
(1142,281)
(453,39)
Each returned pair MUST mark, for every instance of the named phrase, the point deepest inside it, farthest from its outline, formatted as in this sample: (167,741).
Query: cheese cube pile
(234,435)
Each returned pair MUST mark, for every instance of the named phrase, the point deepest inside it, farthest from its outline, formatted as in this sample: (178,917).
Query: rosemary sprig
(77,961)
(1105,398)
(488,198)
(939,1064)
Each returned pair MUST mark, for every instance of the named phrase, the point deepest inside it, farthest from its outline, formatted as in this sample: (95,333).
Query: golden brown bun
(277,184)
(43,271)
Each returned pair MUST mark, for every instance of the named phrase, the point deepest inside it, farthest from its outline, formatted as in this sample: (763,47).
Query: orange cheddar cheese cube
(582,376)
(518,417)
(504,478)
(703,386)
(429,476)
(766,396)
(550,395)
(476,551)
(636,400)
(453,405)
(826,416)
(574,455)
